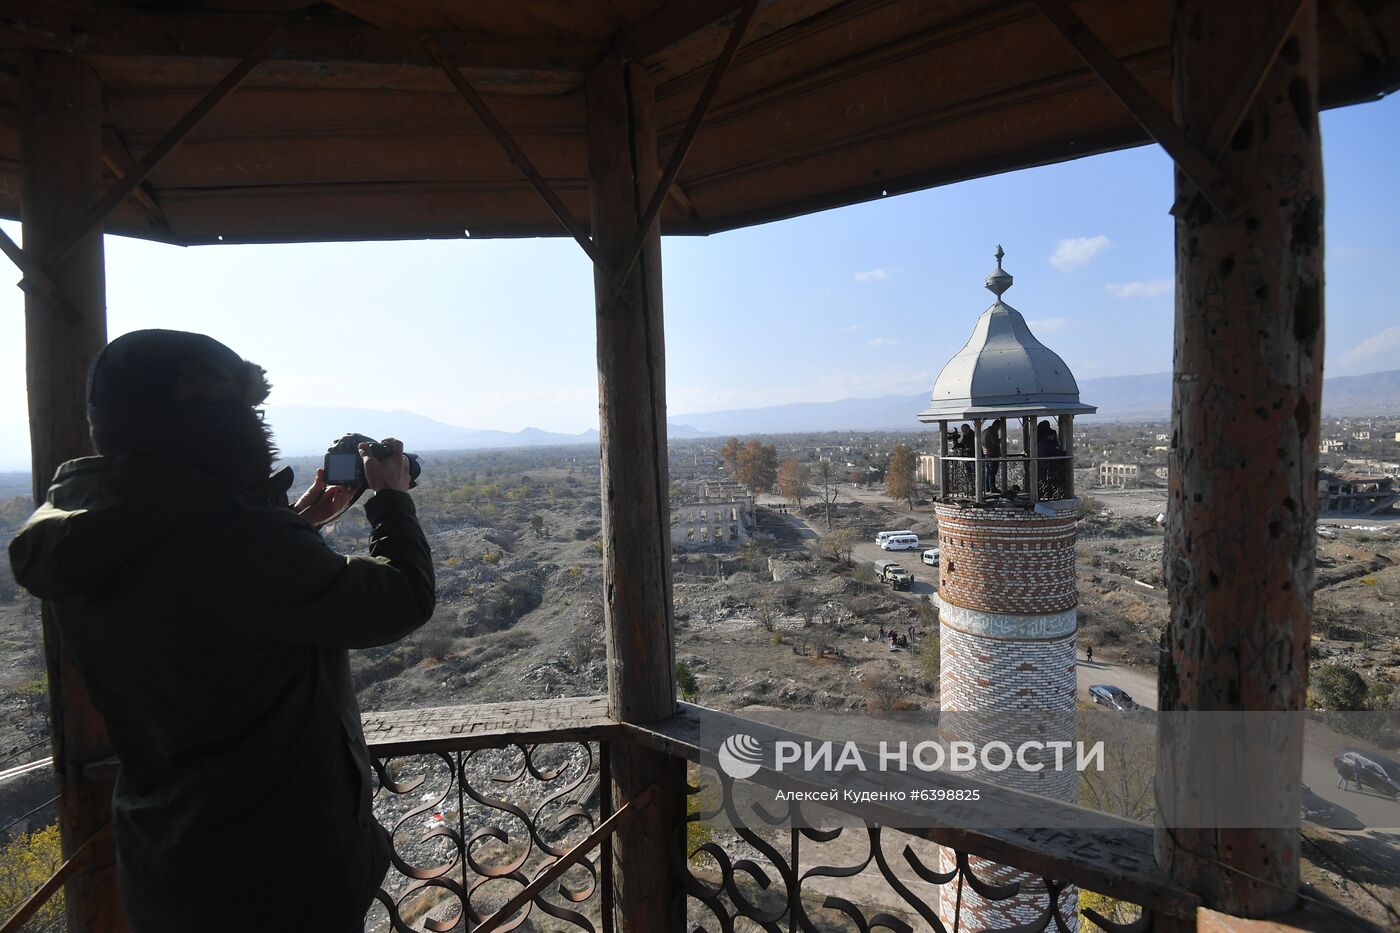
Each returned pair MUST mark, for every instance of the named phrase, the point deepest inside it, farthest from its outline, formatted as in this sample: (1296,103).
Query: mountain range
(301,429)
(1145,397)
(309,429)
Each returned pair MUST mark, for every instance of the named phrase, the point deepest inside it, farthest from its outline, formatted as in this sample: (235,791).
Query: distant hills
(301,430)
(308,429)
(1119,398)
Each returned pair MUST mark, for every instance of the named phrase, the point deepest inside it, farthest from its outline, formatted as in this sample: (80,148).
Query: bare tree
(885,691)
(765,612)
(826,477)
(839,544)
(585,638)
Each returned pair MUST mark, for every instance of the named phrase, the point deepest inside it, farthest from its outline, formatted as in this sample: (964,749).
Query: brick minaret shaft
(1007,621)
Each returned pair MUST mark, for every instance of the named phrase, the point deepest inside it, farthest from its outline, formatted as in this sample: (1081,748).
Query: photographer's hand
(319,504)
(390,473)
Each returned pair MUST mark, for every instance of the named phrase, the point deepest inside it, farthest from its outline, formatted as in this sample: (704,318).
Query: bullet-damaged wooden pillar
(1245,408)
(622,164)
(61,152)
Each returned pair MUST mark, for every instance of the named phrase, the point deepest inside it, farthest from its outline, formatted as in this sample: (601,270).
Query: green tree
(899,474)
(686,682)
(1341,688)
(537,525)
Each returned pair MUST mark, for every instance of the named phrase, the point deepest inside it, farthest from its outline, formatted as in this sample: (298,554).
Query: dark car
(1315,809)
(1369,770)
(1112,697)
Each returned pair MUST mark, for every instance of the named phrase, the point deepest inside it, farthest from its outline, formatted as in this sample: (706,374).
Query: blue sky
(862,301)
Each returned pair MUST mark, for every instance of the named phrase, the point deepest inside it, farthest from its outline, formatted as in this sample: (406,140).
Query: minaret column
(1007,635)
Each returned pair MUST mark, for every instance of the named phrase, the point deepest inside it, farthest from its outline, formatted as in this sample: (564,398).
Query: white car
(930,557)
(901,542)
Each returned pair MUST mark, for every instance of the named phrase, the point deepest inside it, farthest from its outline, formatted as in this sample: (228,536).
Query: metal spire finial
(999,281)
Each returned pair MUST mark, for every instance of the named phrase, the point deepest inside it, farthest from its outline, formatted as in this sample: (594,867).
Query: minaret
(1007,593)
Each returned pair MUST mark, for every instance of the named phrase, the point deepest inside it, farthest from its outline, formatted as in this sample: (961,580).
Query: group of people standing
(895,639)
(963,443)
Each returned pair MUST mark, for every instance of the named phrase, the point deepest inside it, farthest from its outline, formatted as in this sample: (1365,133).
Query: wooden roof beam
(513,150)
(118,160)
(667,26)
(128,183)
(1266,52)
(1193,162)
(678,154)
(313,40)
(35,277)
(1359,28)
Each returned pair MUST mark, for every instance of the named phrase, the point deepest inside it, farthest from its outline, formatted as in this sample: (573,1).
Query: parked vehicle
(884,536)
(930,557)
(1315,809)
(903,541)
(887,571)
(1112,697)
(1369,770)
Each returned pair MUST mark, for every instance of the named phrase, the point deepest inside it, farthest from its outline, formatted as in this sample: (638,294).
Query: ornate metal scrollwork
(470,829)
(728,888)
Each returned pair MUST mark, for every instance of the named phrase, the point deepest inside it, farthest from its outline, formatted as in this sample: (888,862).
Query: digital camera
(345,468)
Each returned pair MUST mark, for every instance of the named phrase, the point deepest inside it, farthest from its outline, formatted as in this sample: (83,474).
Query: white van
(901,541)
(884,536)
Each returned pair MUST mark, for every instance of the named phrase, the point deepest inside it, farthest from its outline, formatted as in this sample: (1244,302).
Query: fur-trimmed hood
(183,397)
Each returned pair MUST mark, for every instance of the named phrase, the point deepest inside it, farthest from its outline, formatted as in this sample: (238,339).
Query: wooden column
(636,524)
(61,139)
(1245,409)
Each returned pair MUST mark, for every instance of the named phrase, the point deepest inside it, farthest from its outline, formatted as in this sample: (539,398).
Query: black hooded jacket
(211,629)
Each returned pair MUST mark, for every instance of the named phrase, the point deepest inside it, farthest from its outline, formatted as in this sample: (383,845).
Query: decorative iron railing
(469,829)
(1007,477)
(778,873)
(479,828)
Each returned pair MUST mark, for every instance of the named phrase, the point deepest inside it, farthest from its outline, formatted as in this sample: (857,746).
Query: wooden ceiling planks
(585,20)
(350,131)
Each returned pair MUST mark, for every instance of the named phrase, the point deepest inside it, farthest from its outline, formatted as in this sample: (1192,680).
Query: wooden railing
(482,802)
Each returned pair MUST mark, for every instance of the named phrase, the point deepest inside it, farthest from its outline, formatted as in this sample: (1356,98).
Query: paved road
(1356,810)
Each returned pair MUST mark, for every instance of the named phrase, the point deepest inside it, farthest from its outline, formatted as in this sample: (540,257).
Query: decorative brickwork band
(1006,560)
(1030,627)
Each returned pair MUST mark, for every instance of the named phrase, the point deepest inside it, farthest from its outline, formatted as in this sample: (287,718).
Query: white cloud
(1377,348)
(851,329)
(882,342)
(1076,251)
(1048,325)
(873,275)
(1150,288)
